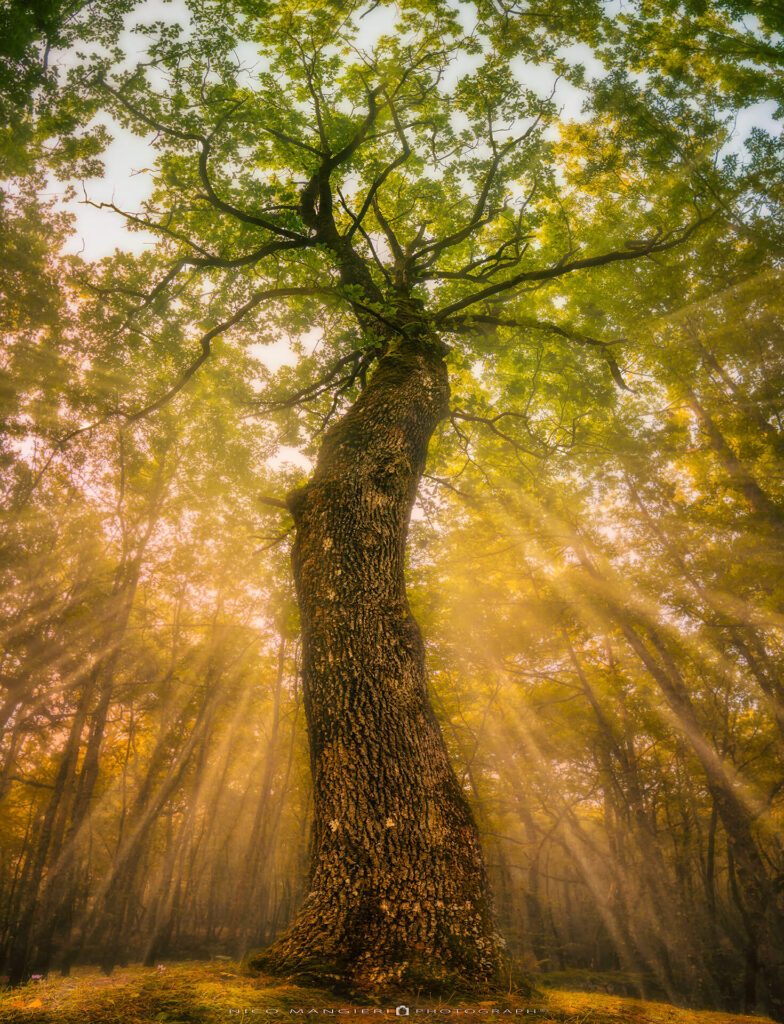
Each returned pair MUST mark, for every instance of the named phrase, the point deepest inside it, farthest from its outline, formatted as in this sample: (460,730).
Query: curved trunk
(398,891)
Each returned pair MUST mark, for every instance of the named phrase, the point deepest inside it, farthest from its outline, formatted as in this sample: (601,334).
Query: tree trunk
(763,903)
(742,479)
(250,900)
(398,890)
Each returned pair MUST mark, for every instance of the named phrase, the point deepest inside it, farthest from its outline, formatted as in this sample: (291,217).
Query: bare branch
(316,388)
(206,260)
(204,141)
(399,160)
(479,218)
(225,207)
(267,499)
(491,423)
(445,483)
(563,330)
(318,188)
(205,352)
(365,235)
(655,245)
(290,140)
(206,346)
(391,237)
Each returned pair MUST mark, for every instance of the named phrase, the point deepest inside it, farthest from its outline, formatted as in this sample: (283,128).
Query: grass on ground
(220,993)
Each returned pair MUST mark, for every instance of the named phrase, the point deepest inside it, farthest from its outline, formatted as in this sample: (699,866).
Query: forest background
(595,556)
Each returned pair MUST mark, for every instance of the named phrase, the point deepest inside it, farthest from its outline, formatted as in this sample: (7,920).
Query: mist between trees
(595,553)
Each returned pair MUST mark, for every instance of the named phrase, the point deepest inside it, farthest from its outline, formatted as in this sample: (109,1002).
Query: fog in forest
(594,556)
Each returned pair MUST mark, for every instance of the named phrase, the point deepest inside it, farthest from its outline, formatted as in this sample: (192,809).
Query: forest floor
(218,993)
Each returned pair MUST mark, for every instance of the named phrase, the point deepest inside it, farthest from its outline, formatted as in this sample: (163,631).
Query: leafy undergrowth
(208,993)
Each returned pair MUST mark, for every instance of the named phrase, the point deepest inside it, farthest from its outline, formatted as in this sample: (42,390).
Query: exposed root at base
(374,980)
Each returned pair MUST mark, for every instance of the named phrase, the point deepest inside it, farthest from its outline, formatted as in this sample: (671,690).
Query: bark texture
(398,891)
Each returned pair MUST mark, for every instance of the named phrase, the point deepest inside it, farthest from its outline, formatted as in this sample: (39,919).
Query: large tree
(398,201)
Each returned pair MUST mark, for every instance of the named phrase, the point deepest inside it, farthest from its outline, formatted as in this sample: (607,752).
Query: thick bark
(398,891)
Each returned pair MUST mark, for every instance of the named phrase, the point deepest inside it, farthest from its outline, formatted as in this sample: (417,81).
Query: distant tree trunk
(114,897)
(398,890)
(753,410)
(251,896)
(761,896)
(763,903)
(743,635)
(57,902)
(627,825)
(533,900)
(742,479)
(47,844)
